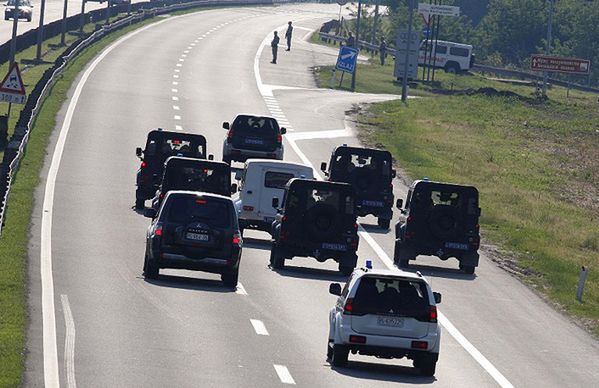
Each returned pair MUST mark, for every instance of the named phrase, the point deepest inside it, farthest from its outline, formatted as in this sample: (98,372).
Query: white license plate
(197,237)
(390,321)
(453,245)
(334,247)
(372,203)
(254,141)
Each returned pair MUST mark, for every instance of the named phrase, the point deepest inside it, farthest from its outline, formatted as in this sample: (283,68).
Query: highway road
(95,321)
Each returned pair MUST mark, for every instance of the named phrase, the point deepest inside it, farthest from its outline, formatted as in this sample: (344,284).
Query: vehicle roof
(319,184)
(361,150)
(276,163)
(442,184)
(182,135)
(396,273)
(198,194)
(255,115)
(186,159)
(452,43)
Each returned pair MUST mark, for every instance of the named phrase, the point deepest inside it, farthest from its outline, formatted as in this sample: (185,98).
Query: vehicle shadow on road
(440,272)
(186,283)
(256,243)
(384,372)
(311,273)
(375,229)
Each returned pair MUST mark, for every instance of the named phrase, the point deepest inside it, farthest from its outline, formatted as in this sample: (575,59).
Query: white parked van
(450,56)
(260,181)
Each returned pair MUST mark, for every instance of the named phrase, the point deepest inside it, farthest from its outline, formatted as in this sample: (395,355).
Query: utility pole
(375,23)
(548,45)
(64,23)
(356,46)
(82,19)
(40,32)
(13,40)
(404,84)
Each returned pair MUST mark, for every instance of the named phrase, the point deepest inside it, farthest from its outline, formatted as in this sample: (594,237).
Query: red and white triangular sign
(13,83)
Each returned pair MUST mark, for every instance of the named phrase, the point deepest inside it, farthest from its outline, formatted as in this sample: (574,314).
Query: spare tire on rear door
(443,221)
(321,221)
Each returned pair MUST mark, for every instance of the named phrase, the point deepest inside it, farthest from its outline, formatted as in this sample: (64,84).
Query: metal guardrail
(18,141)
(477,67)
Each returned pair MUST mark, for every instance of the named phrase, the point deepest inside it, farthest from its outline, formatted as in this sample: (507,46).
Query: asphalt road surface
(101,324)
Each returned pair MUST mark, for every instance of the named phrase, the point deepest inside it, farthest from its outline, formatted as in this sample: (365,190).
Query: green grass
(536,164)
(15,234)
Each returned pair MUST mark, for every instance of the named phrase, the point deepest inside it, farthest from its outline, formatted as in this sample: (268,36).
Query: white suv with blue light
(387,314)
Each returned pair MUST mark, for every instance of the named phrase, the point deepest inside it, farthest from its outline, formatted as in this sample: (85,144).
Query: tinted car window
(276,180)
(348,163)
(441,49)
(459,51)
(255,126)
(195,179)
(173,146)
(388,296)
(188,209)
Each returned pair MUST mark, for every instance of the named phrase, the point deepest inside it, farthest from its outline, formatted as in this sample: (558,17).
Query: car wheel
(151,270)
(346,269)
(6,17)
(329,351)
(277,261)
(469,269)
(451,68)
(29,18)
(140,204)
(340,355)
(427,366)
(399,257)
(227,160)
(384,223)
(230,279)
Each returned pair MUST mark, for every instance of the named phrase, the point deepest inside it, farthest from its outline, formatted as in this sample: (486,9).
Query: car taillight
(433,314)
(158,230)
(279,139)
(284,218)
(236,239)
(409,219)
(230,134)
(358,339)
(349,306)
(143,164)
(161,195)
(419,345)
(477,226)
(248,208)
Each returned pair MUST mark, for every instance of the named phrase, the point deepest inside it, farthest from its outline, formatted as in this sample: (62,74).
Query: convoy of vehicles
(25,10)
(196,225)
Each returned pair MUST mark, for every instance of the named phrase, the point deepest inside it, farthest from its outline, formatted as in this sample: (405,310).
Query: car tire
(227,160)
(340,355)
(329,351)
(277,261)
(6,17)
(29,18)
(230,279)
(427,366)
(399,258)
(452,68)
(346,270)
(469,269)
(140,204)
(151,270)
(384,223)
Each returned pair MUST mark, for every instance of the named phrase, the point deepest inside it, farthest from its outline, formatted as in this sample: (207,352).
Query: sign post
(347,59)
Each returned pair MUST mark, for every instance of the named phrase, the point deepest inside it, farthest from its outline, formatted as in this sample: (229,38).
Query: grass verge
(536,164)
(15,235)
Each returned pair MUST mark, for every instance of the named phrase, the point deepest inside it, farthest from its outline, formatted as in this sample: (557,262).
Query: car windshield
(188,209)
(347,163)
(389,296)
(308,198)
(427,199)
(22,3)
(168,147)
(194,179)
(255,126)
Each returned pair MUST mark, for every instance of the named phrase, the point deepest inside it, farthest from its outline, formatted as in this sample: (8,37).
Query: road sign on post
(12,89)
(539,62)
(438,9)
(400,58)
(346,60)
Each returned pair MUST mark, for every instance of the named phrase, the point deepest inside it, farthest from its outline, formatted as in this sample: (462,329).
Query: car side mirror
(150,213)
(234,188)
(283,130)
(275,202)
(335,289)
(393,173)
(237,175)
(323,166)
(210,157)
(437,296)
(399,203)
(138,151)
(226,125)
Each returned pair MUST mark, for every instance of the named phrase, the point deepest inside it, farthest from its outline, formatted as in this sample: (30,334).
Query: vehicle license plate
(372,203)
(390,321)
(452,245)
(334,247)
(197,237)
(254,141)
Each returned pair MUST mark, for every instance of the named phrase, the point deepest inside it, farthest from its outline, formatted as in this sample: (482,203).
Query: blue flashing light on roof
(369,264)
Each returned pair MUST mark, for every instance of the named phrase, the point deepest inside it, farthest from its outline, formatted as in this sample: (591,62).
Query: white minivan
(260,181)
(451,56)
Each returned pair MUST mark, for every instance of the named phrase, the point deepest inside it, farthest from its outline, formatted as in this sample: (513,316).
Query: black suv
(317,219)
(371,174)
(195,231)
(439,219)
(195,175)
(159,146)
(253,137)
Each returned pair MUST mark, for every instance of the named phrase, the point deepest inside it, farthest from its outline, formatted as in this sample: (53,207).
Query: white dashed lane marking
(178,127)
(175,107)
(175,98)
(259,327)
(240,289)
(177,117)
(174,90)
(284,374)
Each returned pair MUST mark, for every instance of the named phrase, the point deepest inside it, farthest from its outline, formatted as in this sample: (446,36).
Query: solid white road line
(266,91)
(259,327)
(49,348)
(69,342)
(284,374)
(240,289)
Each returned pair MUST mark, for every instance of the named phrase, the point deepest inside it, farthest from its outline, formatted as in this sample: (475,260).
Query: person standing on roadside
(288,36)
(383,51)
(274,45)
(349,42)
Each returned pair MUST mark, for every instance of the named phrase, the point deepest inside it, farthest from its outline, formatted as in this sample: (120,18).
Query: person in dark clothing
(274,45)
(349,42)
(288,36)
(383,51)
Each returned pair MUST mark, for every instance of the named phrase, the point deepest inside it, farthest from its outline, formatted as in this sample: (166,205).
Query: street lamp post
(13,40)
(40,32)
(82,22)
(64,23)
(404,83)
(356,45)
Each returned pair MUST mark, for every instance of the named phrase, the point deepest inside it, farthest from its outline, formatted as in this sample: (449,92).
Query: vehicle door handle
(249,192)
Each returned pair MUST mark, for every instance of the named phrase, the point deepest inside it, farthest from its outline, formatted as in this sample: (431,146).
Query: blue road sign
(346,61)
(426,31)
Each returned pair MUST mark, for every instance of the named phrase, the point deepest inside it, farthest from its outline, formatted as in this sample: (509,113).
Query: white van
(260,181)
(450,56)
